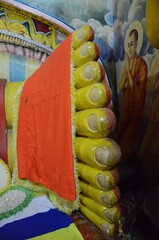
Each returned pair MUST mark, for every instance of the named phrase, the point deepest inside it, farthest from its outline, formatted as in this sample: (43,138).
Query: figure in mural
(133,86)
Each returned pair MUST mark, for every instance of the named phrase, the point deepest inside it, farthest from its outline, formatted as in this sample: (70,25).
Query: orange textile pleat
(44,134)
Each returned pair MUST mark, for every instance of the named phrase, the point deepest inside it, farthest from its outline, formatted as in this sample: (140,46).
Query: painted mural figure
(133,86)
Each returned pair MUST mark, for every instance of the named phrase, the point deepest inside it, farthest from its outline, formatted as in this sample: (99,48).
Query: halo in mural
(13,200)
(138,26)
(5,177)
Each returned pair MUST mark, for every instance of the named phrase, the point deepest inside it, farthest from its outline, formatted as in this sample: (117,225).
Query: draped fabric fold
(44,134)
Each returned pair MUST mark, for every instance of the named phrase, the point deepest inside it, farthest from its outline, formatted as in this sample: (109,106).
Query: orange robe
(44,134)
(132,108)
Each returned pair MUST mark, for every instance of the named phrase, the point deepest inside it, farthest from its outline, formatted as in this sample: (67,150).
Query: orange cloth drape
(44,134)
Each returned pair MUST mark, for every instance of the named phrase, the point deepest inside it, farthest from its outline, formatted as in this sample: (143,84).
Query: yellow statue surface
(94,155)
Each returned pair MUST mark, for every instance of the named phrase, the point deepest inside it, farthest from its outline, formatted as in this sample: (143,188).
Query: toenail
(80,34)
(84,51)
(88,73)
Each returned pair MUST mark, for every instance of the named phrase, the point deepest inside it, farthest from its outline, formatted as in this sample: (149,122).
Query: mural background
(109,19)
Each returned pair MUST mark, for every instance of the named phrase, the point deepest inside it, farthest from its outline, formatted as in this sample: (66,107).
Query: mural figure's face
(132,46)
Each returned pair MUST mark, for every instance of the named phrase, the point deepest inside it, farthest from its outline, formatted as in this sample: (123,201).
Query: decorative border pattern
(13,200)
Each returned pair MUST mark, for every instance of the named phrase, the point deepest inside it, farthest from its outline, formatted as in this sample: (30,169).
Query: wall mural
(109,19)
(120,32)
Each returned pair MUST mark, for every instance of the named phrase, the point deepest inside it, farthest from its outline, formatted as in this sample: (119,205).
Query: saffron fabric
(44,133)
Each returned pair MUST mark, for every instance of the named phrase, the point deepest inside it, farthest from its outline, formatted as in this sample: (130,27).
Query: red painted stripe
(3,130)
